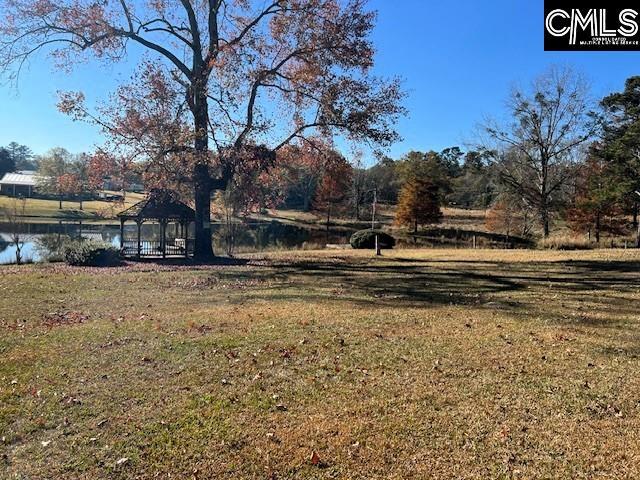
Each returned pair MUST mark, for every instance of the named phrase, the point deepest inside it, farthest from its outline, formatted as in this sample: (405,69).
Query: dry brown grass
(419,364)
(453,217)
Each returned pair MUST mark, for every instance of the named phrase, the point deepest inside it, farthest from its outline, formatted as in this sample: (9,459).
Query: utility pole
(375,202)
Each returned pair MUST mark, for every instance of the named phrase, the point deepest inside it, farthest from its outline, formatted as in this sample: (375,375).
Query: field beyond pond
(419,364)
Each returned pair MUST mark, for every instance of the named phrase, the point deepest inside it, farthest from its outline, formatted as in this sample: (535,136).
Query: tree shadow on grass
(487,284)
(189,262)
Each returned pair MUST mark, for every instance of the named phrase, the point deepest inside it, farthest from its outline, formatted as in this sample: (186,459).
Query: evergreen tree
(621,142)
(7,164)
(22,156)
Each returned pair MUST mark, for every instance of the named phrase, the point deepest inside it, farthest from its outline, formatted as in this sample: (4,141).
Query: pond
(43,240)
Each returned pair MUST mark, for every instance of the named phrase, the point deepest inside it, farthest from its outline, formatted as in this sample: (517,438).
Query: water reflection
(43,241)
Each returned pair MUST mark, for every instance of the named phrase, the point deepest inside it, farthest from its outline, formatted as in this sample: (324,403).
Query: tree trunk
(203,249)
(544,219)
(59,202)
(415,226)
(544,196)
(597,228)
(635,214)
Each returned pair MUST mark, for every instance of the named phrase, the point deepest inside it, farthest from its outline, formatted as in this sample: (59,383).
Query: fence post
(378,253)
(474,242)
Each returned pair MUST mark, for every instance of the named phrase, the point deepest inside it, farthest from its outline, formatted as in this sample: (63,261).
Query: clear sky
(459,61)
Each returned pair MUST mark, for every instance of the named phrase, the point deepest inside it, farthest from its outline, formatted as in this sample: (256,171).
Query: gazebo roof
(159,205)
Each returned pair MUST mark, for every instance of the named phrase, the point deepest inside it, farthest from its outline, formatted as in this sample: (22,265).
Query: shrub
(365,239)
(90,254)
(50,247)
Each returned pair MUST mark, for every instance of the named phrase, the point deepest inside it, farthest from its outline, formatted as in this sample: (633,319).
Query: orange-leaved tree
(332,193)
(419,204)
(509,215)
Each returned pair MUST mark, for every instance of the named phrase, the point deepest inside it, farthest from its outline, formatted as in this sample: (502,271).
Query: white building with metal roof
(21,183)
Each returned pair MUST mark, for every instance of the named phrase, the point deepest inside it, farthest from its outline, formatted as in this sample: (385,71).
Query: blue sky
(459,61)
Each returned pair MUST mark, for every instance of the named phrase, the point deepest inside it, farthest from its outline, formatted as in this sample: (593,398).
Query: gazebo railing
(154,248)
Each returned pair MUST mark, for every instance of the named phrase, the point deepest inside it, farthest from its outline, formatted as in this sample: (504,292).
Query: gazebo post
(122,220)
(139,223)
(185,234)
(163,237)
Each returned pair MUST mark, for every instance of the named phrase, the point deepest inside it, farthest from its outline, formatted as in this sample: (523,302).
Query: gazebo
(164,208)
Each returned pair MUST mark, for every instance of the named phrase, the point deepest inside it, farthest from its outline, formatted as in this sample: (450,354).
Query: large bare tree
(235,74)
(549,124)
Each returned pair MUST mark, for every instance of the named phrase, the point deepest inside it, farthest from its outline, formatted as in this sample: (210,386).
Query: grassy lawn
(419,364)
(48,209)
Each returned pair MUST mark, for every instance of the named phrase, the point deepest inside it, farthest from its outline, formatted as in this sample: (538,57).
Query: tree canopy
(228,80)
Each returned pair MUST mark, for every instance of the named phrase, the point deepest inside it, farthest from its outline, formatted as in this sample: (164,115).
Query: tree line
(565,158)
(63,175)
(228,90)
(559,159)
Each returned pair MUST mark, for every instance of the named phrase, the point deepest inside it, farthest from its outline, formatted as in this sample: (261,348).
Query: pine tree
(419,204)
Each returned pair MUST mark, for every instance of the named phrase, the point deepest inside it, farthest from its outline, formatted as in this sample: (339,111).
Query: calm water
(42,240)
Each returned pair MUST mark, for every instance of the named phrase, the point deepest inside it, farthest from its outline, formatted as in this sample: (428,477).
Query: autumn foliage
(220,78)
(331,195)
(595,208)
(419,204)
(509,216)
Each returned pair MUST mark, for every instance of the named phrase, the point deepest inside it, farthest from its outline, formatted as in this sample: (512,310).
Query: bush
(50,247)
(90,254)
(366,239)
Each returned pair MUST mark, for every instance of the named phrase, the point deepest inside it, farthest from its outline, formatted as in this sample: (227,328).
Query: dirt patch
(58,319)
